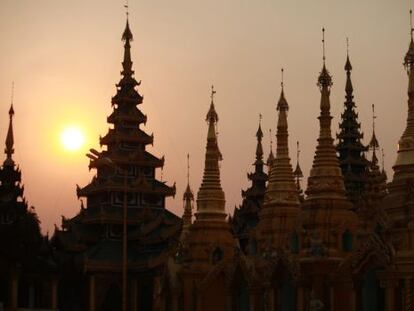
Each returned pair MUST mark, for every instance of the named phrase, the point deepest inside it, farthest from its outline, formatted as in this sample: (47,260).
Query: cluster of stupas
(345,243)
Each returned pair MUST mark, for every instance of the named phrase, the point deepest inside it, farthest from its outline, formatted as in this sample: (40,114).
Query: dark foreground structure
(345,243)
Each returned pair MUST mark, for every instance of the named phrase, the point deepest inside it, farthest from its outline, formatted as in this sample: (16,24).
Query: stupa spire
(406,144)
(373,144)
(281,203)
(271,156)
(188,199)
(10,138)
(326,212)
(258,177)
(298,174)
(259,148)
(325,178)
(210,197)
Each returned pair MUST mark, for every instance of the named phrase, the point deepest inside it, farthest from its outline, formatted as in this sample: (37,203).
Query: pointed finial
(271,139)
(212,93)
(297,150)
(9,138)
(374,142)
(323,44)
(373,117)
(411,24)
(281,82)
(188,168)
(126,6)
(11,110)
(347,46)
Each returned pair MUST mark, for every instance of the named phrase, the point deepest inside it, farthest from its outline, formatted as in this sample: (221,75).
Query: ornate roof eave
(117,117)
(104,187)
(115,137)
(130,160)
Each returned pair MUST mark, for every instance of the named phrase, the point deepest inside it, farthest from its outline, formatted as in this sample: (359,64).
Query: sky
(65,59)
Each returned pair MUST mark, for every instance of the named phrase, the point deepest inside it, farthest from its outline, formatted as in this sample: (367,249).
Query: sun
(72,138)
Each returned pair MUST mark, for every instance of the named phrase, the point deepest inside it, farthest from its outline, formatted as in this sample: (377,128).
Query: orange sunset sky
(65,58)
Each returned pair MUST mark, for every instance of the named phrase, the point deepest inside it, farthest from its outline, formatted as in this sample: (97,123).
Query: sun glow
(72,138)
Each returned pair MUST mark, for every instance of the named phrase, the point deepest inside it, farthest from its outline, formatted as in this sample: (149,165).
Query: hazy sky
(65,58)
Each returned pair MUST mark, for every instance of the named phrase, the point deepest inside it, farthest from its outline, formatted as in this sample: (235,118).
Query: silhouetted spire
(271,156)
(350,149)
(246,216)
(326,212)
(259,148)
(406,143)
(281,203)
(325,178)
(188,199)
(210,197)
(298,171)
(373,144)
(9,138)
(258,177)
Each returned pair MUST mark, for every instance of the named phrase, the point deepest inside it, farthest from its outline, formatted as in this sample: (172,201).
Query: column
(268,298)
(254,299)
(54,293)
(389,285)
(134,296)
(14,284)
(408,305)
(228,300)
(174,300)
(300,298)
(91,293)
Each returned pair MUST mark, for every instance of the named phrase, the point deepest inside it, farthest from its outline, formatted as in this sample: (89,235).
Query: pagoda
(90,244)
(281,203)
(211,246)
(399,204)
(26,271)
(329,226)
(246,216)
(370,209)
(350,149)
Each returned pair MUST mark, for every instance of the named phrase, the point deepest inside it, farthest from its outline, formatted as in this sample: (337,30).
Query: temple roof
(349,147)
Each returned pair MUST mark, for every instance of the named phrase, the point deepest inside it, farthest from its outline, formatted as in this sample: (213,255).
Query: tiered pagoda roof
(246,216)
(350,149)
(123,167)
(20,236)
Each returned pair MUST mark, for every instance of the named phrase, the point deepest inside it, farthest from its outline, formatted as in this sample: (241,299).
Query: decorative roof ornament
(188,194)
(324,79)
(298,171)
(271,156)
(10,138)
(282,104)
(374,141)
(259,148)
(188,199)
(409,57)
